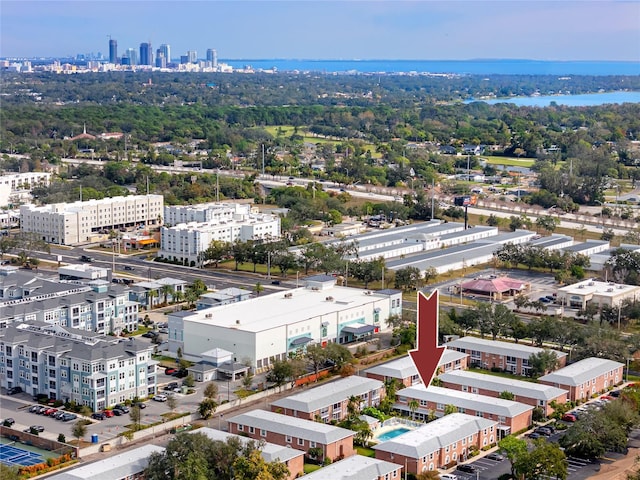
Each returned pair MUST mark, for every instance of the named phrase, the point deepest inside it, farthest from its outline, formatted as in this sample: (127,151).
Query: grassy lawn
(311,467)
(502,374)
(366,452)
(509,161)
(244,393)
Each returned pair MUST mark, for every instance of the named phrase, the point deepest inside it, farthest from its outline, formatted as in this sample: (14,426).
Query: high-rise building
(113,51)
(166,50)
(132,56)
(193,56)
(212,57)
(161,61)
(146,54)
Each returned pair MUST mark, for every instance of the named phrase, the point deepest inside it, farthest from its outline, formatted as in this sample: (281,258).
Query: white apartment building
(82,222)
(185,242)
(15,187)
(206,212)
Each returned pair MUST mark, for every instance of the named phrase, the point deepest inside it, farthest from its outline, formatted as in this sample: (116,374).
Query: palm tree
(151,294)
(166,291)
(413,406)
(258,288)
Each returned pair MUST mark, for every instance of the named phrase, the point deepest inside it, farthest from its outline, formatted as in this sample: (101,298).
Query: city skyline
(430,30)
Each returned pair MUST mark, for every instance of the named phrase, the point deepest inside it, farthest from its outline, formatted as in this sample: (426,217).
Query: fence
(37,441)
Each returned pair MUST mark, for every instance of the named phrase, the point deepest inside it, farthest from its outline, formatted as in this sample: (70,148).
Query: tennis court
(17,457)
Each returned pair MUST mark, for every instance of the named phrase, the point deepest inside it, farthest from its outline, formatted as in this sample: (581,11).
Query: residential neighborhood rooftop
(497,347)
(579,372)
(356,467)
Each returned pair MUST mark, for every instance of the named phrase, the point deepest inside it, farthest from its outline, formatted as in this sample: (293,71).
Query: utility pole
(263,159)
(433,187)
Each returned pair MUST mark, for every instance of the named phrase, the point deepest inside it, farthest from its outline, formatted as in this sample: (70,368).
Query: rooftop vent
(609,289)
(288,295)
(329,299)
(237,322)
(209,315)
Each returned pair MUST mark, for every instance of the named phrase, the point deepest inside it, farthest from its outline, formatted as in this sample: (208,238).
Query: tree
(413,407)
(9,473)
(547,223)
(135,414)
(449,409)
(166,291)
(430,274)
(79,430)
(316,356)
(506,395)
(207,408)
(408,278)
(367,270)
(258,288)
(514,448)
(493,318)
(216,252)
(281,371)
(211,390)
(546,460)
(542,362)
(252,466)
(172,403)
(189,381)
(338,354)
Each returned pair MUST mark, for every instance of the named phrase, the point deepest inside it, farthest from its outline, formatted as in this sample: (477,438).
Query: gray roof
(496,347)
(468,401)
(519,388)
(356,467)
(321,433)
(270,451)
(435,435)
(329,393)
(404,367)
(579,247)
(579,372)
(551,241)
(124,465)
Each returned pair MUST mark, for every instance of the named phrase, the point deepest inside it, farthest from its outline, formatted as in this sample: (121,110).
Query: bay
(583,100)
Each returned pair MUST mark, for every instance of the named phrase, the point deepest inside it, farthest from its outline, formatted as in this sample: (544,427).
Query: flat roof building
(578,295)
(357,467)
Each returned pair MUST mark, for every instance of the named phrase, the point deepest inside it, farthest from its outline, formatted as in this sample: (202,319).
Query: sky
(319,29)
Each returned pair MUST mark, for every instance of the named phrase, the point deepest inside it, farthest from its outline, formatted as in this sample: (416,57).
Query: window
(301,441)
(288,438)
(240,428)
(263,432)
(252,430)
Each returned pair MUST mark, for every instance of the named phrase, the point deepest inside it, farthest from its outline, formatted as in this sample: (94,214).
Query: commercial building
(586,378)
(85,222)
(529,393)
(271,452)
(510,357)
(75,365)
(438,443)
(273,327)
(113,51)
(404,369)
(206,212)
(579,295)
(511,416)
(330,401)
(128,465)
(333,442)
(357,467)
(16,187)
(146,54)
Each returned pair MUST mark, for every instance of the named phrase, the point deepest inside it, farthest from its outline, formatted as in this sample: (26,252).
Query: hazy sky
(318,29)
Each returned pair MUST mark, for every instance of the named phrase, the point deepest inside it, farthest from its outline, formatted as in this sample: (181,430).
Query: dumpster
(94,438)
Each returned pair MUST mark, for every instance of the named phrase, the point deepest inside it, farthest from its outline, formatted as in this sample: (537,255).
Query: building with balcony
(74,365)
(330,401)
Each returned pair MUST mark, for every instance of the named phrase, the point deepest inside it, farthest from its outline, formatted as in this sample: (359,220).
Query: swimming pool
(388,435)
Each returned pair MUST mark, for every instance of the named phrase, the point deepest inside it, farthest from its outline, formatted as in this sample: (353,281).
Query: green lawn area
(503,374)
(311,467)
(510,161)
(366,452)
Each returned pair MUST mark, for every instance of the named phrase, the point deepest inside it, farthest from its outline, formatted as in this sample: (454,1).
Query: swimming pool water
(392,434)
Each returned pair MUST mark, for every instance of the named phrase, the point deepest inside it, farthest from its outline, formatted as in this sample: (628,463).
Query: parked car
(67,417)
(466,468)
(140,405)
(544,431)
(569,417)
(448,476)
(37,428)
(160,398)
(495,456)
(545,300)
(163,330)
(8,422)
(128,268)
(181,373)
(34,408)
(122,408)
(171,386)
(150,334)
(98,416)
(50,411)
(534,435)
(615,393)
(108,413)
(14,390)
(170,371)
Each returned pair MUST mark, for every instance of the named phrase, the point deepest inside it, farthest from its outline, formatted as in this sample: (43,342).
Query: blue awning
(301,341)
(359,330)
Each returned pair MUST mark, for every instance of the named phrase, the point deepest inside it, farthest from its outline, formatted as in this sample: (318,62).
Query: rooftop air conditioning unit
(329,299)
(209,315)
(237,322)
(288,295)
(609,289)
(580,286)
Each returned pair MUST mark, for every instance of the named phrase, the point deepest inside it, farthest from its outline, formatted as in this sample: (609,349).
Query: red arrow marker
(427,354)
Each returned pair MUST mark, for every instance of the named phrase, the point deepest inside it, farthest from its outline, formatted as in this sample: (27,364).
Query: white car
(448,476)
(160,398)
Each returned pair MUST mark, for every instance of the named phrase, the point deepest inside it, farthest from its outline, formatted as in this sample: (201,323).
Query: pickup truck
(86,258)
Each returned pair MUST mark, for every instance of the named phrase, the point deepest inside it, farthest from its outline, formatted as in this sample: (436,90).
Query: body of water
(476,67)
(392,434)
(586,100)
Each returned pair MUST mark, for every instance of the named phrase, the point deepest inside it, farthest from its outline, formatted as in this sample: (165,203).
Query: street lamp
(601,205)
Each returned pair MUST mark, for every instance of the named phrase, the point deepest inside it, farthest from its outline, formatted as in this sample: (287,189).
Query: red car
(170,371)
(108,413)
(569,417)
(606,397)
(50,412)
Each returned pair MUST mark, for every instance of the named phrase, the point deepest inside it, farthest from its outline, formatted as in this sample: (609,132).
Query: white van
(448,476)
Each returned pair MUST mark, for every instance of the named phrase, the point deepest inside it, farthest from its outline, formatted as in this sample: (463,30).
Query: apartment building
(206,212)
(330,401)
(185,242)
(438,443)
(529,393)
(404,369)
(97,306)
(586,378)
(422,402)
(510,357)
(334,442)
(16,187)
(75,365)
(358,467)
(85,222)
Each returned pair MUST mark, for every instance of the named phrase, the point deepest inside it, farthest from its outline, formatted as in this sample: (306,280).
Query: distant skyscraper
(132,56)
(166,49)
(193,56)
(113,51)
(146,54)
(161,62)
(212,57)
